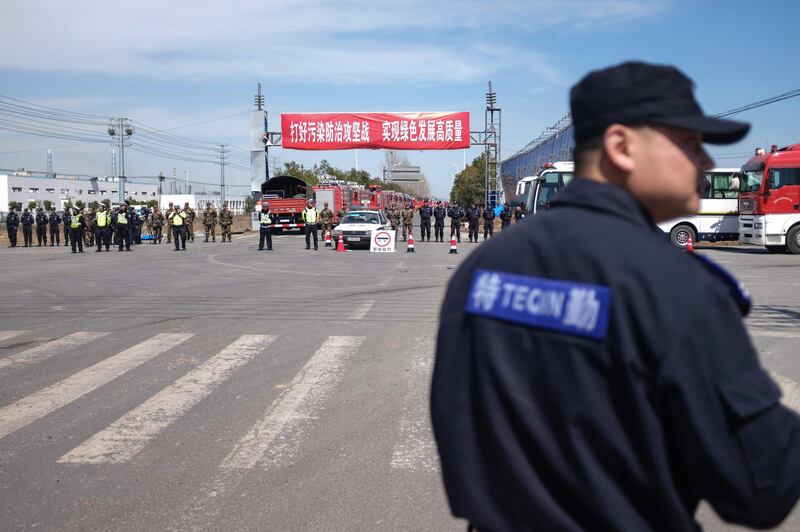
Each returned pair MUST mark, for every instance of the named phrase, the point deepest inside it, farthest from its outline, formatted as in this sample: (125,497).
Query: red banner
(395,131)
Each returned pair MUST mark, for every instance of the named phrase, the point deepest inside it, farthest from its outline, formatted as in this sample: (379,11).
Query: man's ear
(617,147)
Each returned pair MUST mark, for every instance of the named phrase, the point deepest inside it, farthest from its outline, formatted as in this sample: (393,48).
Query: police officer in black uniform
(265,221)
(505,216)
(54,220)
(488,222)
(439,214)
(12,223)
(27,227)
(456,213)
(591,383)
(425,213)
(66,218)
(473,216)
(41,227)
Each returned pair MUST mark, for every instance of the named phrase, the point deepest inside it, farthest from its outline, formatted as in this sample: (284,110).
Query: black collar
(592,195)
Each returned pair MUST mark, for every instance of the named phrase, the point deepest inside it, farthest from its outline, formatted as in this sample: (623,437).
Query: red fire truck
(769,200)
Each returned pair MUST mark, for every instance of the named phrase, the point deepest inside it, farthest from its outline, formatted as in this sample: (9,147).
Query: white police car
(356,228)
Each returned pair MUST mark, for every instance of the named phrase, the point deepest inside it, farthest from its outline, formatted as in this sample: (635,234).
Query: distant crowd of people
(120,226)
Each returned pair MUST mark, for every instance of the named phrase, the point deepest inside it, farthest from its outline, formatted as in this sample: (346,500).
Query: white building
(24,188)
(198,201)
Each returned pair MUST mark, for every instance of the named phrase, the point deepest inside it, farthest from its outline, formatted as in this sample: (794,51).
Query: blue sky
(168,64)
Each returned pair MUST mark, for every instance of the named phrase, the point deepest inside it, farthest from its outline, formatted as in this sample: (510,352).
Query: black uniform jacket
(637,393)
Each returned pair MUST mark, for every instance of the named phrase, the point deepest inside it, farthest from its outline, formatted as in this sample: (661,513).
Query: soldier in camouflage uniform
(210,222)
(225,222)
(408,219)
(326,219)
(189,221)
(394,219)
(91,228)
(169,222)
(157,225)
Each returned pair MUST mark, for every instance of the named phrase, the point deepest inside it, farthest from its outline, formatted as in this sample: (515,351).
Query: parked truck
(769,200)
(287,196)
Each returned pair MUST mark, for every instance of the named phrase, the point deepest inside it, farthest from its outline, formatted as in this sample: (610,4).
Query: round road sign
(382,238)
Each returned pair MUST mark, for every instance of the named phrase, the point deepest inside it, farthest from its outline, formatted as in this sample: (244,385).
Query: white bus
(718,218)
(541,188)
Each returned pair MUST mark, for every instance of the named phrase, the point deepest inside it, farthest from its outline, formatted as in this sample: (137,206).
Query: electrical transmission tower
(492,129)
(223,155)
(120,130)
(50,172)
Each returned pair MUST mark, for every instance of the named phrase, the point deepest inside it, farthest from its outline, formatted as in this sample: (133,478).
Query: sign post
(382,241)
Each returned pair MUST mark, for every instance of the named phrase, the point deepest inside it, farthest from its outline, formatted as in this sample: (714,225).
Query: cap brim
(714,130)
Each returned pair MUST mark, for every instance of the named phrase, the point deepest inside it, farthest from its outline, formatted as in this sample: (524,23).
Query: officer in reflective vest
(178,219)
(265,221)
(76,223)
(310,219)
(123,233)
(103,221)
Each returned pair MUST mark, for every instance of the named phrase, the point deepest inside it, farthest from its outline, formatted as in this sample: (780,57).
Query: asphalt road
(223,388)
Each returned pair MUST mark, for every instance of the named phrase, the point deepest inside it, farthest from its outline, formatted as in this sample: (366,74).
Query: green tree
(469,184)
(249,204)
(68,205)
(15,205)
(47,204)
(94,204)
(80,204)
(153,204)
(33,205)
(297,170)
(107,203)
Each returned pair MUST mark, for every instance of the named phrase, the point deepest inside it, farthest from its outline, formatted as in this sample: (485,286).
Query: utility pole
(50,172)
(223,152)
(120,129)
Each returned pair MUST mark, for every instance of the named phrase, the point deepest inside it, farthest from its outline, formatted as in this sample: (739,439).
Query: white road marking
(123,439)
(361,310)
(276,436)
(37,405)
(790,389)
(774,334)
(5,335)
(48,350)
(416,450)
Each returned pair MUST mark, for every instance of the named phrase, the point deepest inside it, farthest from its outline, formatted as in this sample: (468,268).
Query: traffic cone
(410,248)
(689,244)
(328,238)
(453,248)
(340,244)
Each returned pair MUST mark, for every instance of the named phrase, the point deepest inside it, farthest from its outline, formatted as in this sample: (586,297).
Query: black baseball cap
(636,93)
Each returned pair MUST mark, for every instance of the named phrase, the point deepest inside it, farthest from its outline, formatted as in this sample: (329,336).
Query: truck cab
(769,200)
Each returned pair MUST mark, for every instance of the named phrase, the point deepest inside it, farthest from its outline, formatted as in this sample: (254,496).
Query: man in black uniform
(265,221)
(455,213)
(473,216)
(54,220)
(488,222)
(505,216)
(41,227)
(27,227)
(66,218)
(439,214)
(588,382)
(12,223)
(425,213)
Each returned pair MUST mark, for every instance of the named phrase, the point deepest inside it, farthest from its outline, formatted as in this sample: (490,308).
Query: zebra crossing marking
(273,439)
(5,335)
(790,389)
(124,438)
(416,450)
(48,350)
(37,405)
(361,310)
